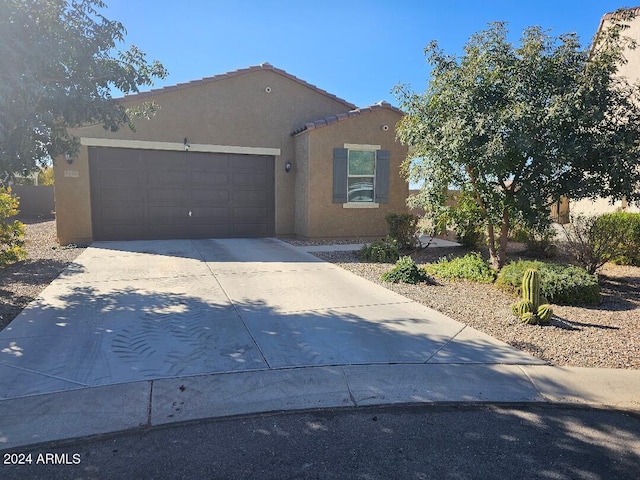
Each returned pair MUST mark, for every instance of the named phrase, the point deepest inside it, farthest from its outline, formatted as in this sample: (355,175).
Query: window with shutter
(360,176)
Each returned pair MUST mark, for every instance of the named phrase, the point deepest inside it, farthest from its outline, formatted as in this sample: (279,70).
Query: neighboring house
(630,70)
(250,153)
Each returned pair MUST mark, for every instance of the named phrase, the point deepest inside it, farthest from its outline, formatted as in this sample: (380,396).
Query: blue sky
(355,49)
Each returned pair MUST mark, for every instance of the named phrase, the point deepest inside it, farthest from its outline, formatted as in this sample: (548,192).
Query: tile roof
(323,122)
(235,73)
(626,10)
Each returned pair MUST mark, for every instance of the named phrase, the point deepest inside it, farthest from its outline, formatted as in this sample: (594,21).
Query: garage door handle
(189,212)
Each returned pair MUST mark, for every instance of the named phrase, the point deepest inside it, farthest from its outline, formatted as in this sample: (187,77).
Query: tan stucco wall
(328,219)
(72,200)
(631,69)
(301,171)
(229,111)
(588,207)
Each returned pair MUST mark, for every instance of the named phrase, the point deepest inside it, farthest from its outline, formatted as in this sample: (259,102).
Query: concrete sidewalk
(149,333)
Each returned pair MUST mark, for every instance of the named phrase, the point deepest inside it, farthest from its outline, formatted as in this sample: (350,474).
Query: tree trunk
(504,236)
(493,255)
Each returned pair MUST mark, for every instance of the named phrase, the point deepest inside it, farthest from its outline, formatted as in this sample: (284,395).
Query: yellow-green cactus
(545,312)
(529,309)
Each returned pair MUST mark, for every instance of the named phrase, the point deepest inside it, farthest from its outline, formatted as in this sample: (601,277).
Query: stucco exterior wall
(328,219)
(631,71)
(598,207)
(238,111)
(300,169)
(73,200)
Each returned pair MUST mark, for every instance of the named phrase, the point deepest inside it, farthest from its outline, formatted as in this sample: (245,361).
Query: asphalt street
(440,441)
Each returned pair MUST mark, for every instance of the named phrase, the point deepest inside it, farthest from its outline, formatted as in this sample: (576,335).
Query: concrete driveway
(132,311)
(138,334)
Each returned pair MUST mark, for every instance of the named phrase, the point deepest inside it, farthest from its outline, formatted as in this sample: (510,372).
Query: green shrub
(626,226)
(406,271)
(11,233)
(403,228)
(382,251)
(469,267)
(559,284)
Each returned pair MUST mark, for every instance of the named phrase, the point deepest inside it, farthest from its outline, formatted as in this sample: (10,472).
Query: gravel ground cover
(607,336)
(21,282)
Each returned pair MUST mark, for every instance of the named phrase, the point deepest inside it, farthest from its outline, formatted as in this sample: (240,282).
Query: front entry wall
(150,194)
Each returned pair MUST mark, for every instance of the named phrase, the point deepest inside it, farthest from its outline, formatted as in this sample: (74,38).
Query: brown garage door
(152,194)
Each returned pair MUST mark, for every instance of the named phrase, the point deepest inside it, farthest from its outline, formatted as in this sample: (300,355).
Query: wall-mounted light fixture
(267,90)
(186,145)
(385,128)
(69,158)
(287,166)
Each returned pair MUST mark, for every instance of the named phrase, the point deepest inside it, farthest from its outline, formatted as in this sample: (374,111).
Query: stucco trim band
(174,146)
(359,146)
(361,205)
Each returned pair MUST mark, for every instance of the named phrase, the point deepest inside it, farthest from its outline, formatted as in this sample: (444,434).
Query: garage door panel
(210,216)
(200,196)
(249,180)
(209,162)
(168,215)
(149,194)
(168,196)
(249,230)
(249,198)
(167,231)
(168,178)
(120,158)
(122,215)
(209,178)
(121,196)
(250,164)
(117,177)
(250,215)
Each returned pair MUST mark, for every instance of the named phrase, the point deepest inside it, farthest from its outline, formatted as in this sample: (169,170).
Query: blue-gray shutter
(382,176)
(340,156)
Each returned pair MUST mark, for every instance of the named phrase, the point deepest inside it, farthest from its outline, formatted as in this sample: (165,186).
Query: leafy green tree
(517,127)
(59,63)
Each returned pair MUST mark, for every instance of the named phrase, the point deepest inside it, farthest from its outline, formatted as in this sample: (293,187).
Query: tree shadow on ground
(102,335)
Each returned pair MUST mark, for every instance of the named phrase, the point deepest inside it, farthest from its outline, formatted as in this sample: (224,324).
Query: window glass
(360,189)
(362,162)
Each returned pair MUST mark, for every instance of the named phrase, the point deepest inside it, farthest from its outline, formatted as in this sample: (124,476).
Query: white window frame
(362,147)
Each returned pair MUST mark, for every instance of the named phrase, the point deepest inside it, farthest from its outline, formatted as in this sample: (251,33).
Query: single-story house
(251,153)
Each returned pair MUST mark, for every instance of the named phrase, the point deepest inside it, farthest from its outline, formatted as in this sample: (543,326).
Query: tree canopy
(518,126)
(59,63)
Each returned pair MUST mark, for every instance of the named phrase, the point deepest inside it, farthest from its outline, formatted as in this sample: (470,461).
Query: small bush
(594,241)
(469,267)
(382,251)
(403,228)
(406,271)
(11,233)
(626,226)
(559,284)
